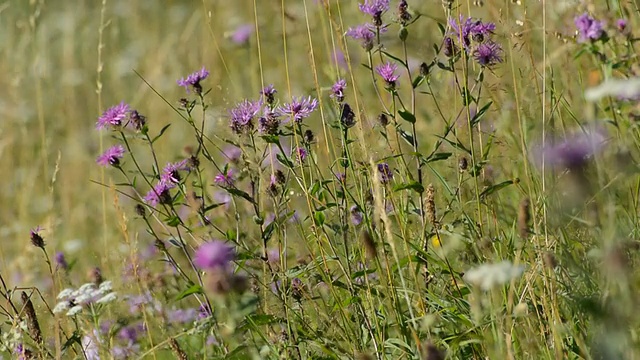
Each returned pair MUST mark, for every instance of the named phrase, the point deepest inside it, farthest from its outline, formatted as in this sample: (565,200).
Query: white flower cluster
(489,276)
(12,338)
(72,300)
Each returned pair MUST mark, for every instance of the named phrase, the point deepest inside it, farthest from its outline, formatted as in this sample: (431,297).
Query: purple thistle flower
(242,33)
(268,93)
(385,173)
(160,193)
(488,53)
(366,33)
(574,151)
(213,255)
(588,28)
(232,153)
(204,311)
(241,117)
(298,108)
(337,90)
(225,179)
(171,174)
(374,7)
(129,351)
(467,29)
(113,116)
(356,215)
(111,156)
(269,123)
(61,261)
(301,154)
(128,334)
(194,80)
(387,72)
(621,25)
(181,316)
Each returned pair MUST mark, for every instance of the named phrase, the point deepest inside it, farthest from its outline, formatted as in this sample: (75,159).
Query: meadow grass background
(66,62)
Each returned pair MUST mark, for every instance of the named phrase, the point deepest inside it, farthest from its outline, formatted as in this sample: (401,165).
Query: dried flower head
(524,217)
(36,238)
(348,117)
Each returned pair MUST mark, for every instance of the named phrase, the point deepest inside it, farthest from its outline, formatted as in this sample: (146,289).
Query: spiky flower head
(366,33)
(588,28)
(387,72)
(113,116)
(111,156)
(298,108)
(194,79)
(488,53)
(214,254)
(171,172)
(337,90)
(385,173)
(268,93)
(467,29)
(241,116)
(159,194)
(225,179)
(36,239)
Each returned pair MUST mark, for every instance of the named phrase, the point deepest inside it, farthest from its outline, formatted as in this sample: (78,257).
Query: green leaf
(74,338)
(478,116)
(284,160)
(439,156)
(194,289)
(172,221)
(407,137)
(414,185)
(161,132)
(271,139)
(491,189)
(240,193)
(407,115)
(456,145)
(319,218)
(417,81)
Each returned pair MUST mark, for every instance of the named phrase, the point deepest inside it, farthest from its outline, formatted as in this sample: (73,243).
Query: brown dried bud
(549,260)
(463,164)
(430,205)
(95,275)
(383,120)
(524,216)
(369,244)
(431,352)
(32,320)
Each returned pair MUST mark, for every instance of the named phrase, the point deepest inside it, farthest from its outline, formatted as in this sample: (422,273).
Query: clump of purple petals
(171,172)
(488,53)
(374,7)
(242,33)
(388,73)
(61,261)
(113,116)
(241,116)
(225,179)
(356,215)
(301,154)
(269,94)
(385,173)
(214,254)
(159,194)
(366,33)
(337,90)
(588,28)
(468,29)
(573,152)
(194,79)
(111,156)
(298,108)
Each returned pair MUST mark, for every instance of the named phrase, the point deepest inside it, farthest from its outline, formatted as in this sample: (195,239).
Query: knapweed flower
(214,254)
(403,12)
(111,157)
(489,276)
(298,108)
(365,33)
(171,172)
(301,154)
(385,173)
(113,116)
(356,215)
(159,194)
(621,25)
(194,79)
(449,47)
(574,151)
(588,28)
(387,73)
(269,123)
(374,7)
(232,153)
(269,94)
(61,261)
(137,120)
(36,238)
(488,53)
(242,33)
(241,116)
(468,29)
(182,316)
(337,90)
(225,179)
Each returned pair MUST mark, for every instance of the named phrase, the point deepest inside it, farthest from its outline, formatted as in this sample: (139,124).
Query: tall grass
(474,207)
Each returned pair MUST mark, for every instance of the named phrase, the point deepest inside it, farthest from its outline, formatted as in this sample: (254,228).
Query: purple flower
(269,123)
(573,152)
(621,25)
(242,33)
(36,238)
(338,59)
(204,311)
(111,156)
(387,72)
(356,215)
(113,116)
(268,93)
(298,108)
(384,172)
(488,53)
(374,8)
(129,334)
(241,117)
(301,154)
(171,174)
(61,261)
(467,29)
(214,254)
(128,351)
(233,153)
(337,90)
(160,193)
(365,33)
(181,316)
(588,28)
(225,179)
(194,80)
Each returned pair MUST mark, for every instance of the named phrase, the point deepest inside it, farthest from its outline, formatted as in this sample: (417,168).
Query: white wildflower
(107,298)
(65,294)
(74,310)
(488,276)
(61,307)
(620,88)
(105,286)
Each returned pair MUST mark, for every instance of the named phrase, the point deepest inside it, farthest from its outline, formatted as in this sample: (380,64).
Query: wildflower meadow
(320,179)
